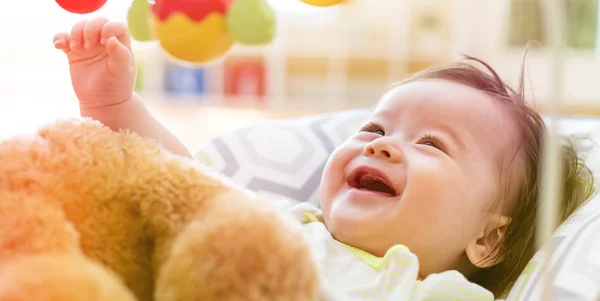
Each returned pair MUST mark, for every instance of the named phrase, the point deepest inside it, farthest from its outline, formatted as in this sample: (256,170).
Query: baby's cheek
(332,174)
(434,185)
(437,204)
(339,159)
(480,184)
(455,198)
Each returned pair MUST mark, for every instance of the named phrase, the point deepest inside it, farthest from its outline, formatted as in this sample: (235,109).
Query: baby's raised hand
(101,62)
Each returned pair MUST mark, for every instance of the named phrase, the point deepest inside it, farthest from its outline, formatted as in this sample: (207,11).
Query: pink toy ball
(81,6)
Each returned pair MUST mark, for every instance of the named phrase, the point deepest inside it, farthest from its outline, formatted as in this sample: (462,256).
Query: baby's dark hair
(522,183)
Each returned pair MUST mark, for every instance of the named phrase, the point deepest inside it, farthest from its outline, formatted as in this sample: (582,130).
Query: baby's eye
(373,128)
(431,141)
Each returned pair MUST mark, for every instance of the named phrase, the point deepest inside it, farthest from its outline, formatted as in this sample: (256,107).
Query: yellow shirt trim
(373,261)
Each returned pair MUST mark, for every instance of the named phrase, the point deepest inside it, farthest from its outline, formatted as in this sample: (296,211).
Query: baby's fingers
(76,42)
(92,32)
(61,42)
(118,30)
(120,58)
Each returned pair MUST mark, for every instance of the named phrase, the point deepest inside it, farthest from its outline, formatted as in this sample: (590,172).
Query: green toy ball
(251,22)
(137,20)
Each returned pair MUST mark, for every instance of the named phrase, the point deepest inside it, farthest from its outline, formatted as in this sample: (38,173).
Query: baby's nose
(384,150)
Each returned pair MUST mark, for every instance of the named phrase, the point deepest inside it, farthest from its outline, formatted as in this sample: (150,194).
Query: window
(526,22)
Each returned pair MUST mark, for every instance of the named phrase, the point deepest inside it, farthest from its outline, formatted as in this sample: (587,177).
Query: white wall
(581,72)
(34,80)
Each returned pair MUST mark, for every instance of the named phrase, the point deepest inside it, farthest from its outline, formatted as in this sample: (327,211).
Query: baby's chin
(350,224)
(355,214)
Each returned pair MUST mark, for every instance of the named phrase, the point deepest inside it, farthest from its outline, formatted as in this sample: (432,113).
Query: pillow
(576,261)
(282,159)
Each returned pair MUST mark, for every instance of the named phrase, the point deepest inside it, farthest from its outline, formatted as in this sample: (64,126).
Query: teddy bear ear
(251,22)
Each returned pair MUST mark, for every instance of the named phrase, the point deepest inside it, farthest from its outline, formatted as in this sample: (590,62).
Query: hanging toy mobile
(322,2)
(81,6)
(200,31)
(197,32)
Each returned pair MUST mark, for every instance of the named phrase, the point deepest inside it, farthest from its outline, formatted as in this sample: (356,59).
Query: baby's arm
(134,116)
(103,72)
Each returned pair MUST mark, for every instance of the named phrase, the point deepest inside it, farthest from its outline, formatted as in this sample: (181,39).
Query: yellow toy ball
(200,32)
(322,2)
(192,31)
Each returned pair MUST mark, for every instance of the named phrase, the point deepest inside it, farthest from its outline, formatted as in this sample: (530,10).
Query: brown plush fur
(90,214)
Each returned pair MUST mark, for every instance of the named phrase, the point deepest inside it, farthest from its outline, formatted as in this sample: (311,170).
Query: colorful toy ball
(324,2)
(193,31)
(199,32)
(81,6)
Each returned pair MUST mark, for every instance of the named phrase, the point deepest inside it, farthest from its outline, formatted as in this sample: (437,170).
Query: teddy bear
(87,213)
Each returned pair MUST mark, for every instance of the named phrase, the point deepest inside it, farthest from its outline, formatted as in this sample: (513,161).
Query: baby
(435,198)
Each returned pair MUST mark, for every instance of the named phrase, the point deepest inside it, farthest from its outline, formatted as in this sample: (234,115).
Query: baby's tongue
(375,183)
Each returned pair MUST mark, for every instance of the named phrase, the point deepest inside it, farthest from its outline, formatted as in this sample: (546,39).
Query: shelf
(191,103)
(349,60)
(301,106)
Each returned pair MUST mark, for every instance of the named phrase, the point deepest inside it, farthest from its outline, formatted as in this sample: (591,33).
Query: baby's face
(424,172)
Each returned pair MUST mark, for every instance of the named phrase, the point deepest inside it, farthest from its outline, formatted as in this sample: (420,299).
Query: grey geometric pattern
(565,295)
(232,164)
(297,194)
(289,167)
(525,291)
(316,127)
(305,150)
(573,261)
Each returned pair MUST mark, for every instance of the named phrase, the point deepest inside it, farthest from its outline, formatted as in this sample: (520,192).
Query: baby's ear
(482,251)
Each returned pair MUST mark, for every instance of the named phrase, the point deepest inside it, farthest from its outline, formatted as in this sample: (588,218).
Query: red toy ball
(81,6)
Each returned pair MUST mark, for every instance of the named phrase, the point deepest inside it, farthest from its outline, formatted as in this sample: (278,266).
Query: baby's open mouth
(372,180)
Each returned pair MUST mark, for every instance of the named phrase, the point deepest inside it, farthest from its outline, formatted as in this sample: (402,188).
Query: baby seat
(284,160)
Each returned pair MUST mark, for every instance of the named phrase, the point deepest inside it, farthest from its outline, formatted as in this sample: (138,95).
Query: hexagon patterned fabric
(284,160)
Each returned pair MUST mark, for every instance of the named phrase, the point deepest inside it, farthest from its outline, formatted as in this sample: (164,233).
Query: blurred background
(323,60)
